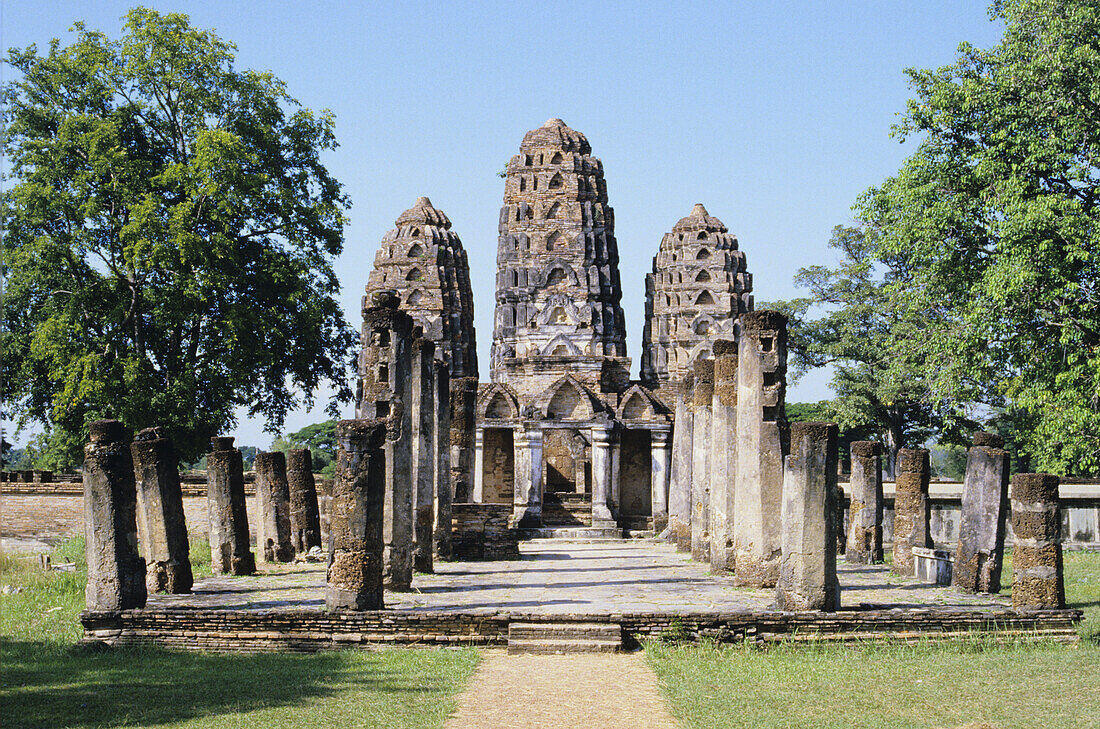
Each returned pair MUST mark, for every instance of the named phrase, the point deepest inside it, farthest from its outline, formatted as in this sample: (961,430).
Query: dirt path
(562,692)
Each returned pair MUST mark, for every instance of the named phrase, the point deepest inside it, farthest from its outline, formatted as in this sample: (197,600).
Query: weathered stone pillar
(442,484)
(865,512)
(463,399)
(701,459)
(601,476)
(116,574)
(423,452)
(527,504)
(273,508)
(807,573)
(324,508)
(478,495)
(761,446)
(230,550)
(911,513)
(614,500)
(162,530)
(358,505)
(980,548)
(723,448)
(1037,578)
(305,510)
(679,485)
(658,483)
(385,376)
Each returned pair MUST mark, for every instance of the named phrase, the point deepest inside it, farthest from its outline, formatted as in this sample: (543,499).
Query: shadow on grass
(46,685)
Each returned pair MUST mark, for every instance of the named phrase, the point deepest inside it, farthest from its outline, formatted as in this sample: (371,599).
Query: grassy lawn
(47,682)
(895,686)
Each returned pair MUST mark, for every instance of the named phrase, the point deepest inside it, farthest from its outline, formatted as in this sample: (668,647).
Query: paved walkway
(562,692)
(568,577)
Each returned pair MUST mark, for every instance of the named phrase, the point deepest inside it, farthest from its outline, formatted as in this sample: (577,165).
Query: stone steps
(585,533)
(565,637)
(573,510)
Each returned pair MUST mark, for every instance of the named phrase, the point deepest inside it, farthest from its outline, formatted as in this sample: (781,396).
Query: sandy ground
(562,692)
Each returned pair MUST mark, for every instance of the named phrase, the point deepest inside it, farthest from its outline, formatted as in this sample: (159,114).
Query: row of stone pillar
(729,442)
(132,497)
(403,384)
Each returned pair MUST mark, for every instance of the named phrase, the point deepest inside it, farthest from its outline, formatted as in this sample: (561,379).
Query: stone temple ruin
(561,442)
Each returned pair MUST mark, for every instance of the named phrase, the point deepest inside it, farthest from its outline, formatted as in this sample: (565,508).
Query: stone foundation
(483,532)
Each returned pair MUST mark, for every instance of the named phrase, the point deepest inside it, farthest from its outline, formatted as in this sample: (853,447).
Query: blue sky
(774,115)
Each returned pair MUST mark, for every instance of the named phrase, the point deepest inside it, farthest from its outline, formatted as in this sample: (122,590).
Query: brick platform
(647,588)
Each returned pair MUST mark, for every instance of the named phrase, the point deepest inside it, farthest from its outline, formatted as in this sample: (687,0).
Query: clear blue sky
(775,115)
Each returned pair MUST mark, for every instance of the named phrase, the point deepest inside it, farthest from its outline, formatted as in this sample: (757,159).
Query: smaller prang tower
(422,260)
(699,286)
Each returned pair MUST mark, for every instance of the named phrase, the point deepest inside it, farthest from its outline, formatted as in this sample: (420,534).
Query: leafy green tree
(877,374)
(170,236)
(320,438)
(997,218)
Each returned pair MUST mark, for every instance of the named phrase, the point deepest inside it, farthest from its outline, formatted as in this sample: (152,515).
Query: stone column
(324,508)
(463,398)
(807,573)
(305,511)
(701,459)
(980,549)
(1037,579)
(423,452)
(162,530)
(911,513)
(601,476)
(385,377)
(679,485)
(614,501)
(659,474)
(527,504)
(230,550)
(478,495)
(273,508)
(116,574)
(442,484)
(761,446)
(723,448)
(865,512)
(358,503)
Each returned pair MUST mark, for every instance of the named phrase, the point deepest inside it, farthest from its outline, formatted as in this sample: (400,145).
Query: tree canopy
(878,378)
(319,438)
(170,236)
(996,218)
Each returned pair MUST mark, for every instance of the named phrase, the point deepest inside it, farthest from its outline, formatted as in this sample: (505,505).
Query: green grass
(893,686)
(46,681)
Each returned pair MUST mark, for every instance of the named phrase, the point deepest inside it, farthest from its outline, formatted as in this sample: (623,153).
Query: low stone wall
(307,631)
(482,532)
(50,510)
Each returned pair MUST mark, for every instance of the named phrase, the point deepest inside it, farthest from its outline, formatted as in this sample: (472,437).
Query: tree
(997,216)
(320,439)
(171,233)
(867,339)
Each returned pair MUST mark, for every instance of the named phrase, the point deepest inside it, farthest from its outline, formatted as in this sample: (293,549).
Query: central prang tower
(558,289)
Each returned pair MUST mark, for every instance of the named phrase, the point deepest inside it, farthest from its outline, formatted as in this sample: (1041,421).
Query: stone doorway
(566,453)
(499,469)
(635,474)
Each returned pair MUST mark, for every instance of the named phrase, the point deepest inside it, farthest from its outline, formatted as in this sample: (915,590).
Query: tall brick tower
(698,287)
(558,289)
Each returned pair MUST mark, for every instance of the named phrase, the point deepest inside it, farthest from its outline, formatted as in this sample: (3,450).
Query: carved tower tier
(557,289)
